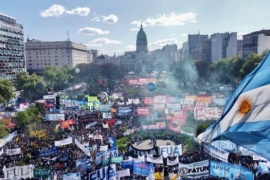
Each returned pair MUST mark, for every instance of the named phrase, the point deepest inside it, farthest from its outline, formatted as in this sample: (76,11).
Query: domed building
(142,62)
(141,43)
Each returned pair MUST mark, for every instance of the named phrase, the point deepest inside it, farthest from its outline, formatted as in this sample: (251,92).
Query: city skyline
(111,26)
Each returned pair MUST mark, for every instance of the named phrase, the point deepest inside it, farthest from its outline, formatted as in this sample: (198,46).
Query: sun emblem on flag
(245,104)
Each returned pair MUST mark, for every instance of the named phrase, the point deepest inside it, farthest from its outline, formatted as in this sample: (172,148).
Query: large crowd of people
(64,161)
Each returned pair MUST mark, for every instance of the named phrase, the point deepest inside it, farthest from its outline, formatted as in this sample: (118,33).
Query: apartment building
(223,45)
(256,42)
(41,54)
(12,59)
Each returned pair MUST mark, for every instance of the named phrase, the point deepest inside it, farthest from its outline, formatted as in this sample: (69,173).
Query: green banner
(42,173)
(117,159)
(64,96)
(105,162)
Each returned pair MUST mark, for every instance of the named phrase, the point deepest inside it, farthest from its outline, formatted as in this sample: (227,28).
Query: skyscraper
(223,45)
(256,42)
(12,58)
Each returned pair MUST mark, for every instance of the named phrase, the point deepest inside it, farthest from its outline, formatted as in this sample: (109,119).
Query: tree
(3,130)
(6,91)
(204,72)
(226,70)
(111,74)
(32,86)
(251,62)
(22,119)
(21,80)
(58,78)
(91,75)
(36,112)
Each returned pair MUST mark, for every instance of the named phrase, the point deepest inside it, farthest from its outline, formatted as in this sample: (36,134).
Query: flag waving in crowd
(112,141)
(246,118)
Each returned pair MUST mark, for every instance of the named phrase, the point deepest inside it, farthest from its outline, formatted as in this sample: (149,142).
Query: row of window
(11,47)
(10,29)
(8,58)
(45,64)
(11,35)
(8,77)
(11,41)
(46,56)
(40,53)
(11,52)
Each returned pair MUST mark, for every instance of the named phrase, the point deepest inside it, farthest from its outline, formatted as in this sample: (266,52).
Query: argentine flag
(246,116)
(112,141)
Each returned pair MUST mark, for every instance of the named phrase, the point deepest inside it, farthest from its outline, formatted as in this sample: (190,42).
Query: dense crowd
(64,161)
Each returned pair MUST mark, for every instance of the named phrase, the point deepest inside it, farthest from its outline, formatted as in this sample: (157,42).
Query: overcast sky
(111,26)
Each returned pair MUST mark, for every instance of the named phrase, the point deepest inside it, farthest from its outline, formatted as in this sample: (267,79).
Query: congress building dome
(141,43)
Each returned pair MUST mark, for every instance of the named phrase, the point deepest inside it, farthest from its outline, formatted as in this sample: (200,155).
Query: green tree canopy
(32,86)
(58,78)
(251,62)
(6,91)
(90,74)
(22,118)
(227,71)
(111,74)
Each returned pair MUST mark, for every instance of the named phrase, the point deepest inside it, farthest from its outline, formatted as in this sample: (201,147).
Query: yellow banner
(92,99)
(204,99)
(159,176)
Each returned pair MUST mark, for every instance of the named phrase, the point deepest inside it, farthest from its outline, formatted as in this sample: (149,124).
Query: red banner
(181,117)
(161,99)
(211,113)
(143,111)
(187,107)
(148,100)
(175,126)
(110,122)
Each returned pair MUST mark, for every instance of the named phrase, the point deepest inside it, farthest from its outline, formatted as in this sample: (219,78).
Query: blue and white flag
(72,176)
(246,118)
(112,141)
(229,171)
(142,169)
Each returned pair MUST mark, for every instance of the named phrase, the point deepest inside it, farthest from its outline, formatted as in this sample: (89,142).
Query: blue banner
(229,171)
(105,173)
(64,157)
(225,145)
(48,152)
(99,158)
(72,176)
(127,164)
(112,141)
(142,169)
(82,165)
(124,111)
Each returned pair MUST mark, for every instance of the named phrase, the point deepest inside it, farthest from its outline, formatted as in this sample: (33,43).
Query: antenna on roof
(67,35)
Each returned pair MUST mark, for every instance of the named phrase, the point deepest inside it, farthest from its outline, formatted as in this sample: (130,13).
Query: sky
(111,26)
